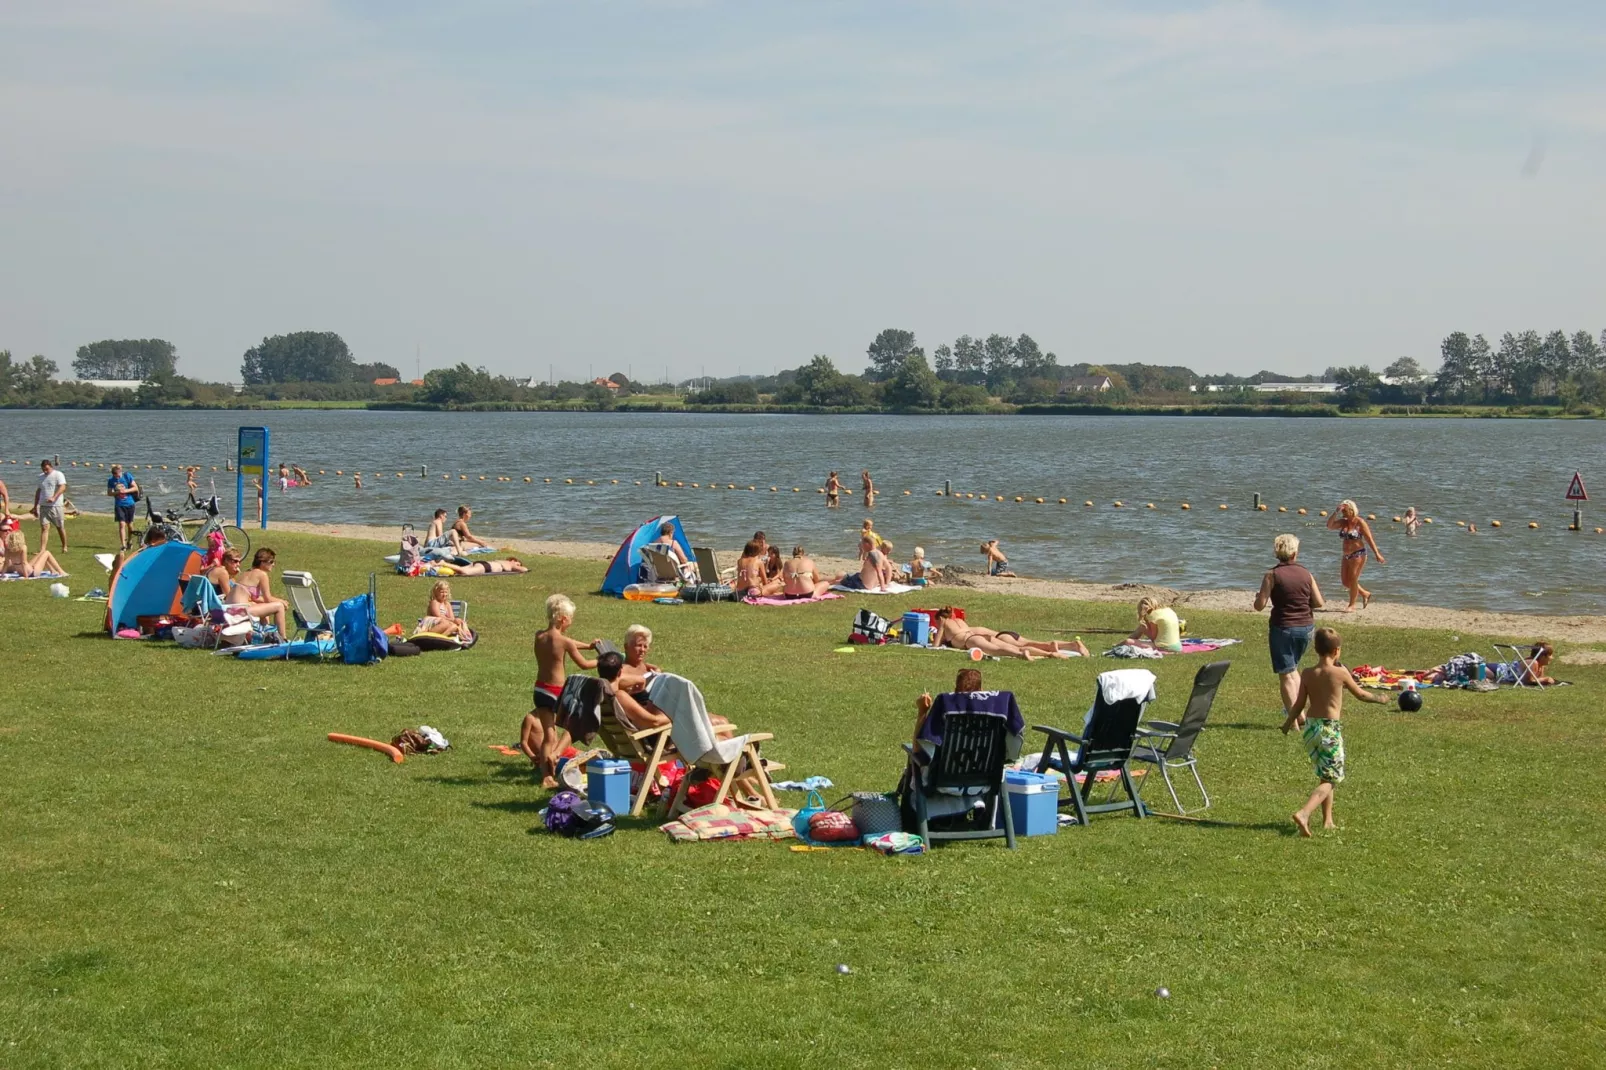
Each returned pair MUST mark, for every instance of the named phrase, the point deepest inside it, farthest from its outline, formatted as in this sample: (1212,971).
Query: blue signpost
(253,461)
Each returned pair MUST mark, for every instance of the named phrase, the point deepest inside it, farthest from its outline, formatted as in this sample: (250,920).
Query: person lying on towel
(956,633)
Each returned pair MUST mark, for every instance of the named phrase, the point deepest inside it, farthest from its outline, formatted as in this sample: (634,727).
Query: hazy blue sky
(737,186)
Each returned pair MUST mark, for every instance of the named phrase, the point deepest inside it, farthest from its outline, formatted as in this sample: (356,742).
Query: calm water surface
(1512,470)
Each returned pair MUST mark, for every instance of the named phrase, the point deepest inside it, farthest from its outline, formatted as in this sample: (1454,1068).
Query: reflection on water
(1515,471)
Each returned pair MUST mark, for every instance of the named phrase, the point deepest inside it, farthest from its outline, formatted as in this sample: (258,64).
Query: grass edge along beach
(194,876)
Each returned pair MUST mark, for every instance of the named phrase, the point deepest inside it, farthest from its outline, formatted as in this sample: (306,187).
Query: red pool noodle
(371,744)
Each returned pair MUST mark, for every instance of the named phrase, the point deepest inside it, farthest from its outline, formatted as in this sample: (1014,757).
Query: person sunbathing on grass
(486,568)
(956,633)
(18,563)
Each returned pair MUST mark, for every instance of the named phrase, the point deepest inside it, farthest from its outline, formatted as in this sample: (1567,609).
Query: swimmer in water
(1411,520)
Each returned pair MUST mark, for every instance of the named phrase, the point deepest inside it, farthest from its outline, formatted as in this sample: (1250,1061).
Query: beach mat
(8,576)
(766,600)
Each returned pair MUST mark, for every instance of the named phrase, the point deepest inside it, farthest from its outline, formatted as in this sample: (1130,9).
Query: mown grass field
(192,876)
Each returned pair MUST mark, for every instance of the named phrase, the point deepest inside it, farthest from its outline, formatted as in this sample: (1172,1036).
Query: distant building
(386,382)
(1297,388)
(1096,384)
(607,383)
(113,384)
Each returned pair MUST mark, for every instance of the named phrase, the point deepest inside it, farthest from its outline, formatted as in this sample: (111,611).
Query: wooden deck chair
(650,746)
(1104,745)
(707,568)
(306,603)
(970,756)
(702,747)
(1169,745)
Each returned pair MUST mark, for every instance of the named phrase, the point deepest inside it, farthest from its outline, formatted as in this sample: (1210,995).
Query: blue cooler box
(608,784)
(1033,802)
(916,629)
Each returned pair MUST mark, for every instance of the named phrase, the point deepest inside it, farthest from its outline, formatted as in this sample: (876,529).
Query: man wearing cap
(47,504)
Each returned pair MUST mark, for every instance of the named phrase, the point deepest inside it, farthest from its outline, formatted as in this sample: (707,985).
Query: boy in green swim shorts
(1317,712)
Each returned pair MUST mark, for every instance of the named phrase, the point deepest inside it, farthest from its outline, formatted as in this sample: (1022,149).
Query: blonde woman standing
(1356,535)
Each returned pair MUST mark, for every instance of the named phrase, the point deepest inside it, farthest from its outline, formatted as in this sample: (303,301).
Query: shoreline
(1526,627)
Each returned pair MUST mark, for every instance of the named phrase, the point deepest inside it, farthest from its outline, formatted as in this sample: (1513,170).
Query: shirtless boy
(439,536)
(997,563)
(1317,712)
(540,738)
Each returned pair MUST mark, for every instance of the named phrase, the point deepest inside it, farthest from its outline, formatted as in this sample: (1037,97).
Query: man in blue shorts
(122,489)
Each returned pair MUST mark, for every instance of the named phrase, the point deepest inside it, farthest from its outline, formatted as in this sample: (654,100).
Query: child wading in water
(1316,713)
(540,738)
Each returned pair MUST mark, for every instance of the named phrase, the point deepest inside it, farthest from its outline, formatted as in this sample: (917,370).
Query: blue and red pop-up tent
(626,566)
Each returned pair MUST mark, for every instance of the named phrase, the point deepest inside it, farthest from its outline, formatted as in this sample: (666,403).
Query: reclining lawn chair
(1167,745)
(707,570)
(967,765)
(666,569)
(1105,743)
(692,732)
(306,604)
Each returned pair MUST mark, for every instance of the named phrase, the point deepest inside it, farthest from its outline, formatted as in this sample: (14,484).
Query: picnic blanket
(1189,646)
(729,823)
(767,600)
(41,576)
(891,588)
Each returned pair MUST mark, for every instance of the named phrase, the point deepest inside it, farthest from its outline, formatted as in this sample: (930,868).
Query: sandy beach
(1523,627)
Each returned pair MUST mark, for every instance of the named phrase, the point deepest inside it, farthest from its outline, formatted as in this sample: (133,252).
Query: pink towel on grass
(765,600)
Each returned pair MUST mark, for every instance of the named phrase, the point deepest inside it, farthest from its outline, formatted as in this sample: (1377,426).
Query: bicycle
(171,525)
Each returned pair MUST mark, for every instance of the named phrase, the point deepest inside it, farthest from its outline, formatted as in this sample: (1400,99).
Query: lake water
(1512,470)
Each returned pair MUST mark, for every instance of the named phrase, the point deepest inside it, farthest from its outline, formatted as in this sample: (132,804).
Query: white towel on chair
(1119,684)
(689,724)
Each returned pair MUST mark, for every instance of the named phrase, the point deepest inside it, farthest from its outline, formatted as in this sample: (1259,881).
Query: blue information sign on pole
(253,461)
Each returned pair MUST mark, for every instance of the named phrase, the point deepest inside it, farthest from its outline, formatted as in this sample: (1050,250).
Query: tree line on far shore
(970,374)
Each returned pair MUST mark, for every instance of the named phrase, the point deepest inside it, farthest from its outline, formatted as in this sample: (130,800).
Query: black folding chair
(1169,745)
(1106,746)
(970,756)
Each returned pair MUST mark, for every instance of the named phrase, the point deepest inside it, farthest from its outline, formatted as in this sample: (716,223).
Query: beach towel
(891,588)
(41,576)
(690,727)
(728,823)
(441,553)
(1189,646)
(766,600)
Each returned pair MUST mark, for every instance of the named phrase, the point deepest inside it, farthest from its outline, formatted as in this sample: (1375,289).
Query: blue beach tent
(626,567)
(150,584)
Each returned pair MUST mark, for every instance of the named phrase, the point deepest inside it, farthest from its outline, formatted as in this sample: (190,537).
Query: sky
(691,188)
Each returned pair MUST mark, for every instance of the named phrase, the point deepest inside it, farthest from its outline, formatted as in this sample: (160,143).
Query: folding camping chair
(1167,745)
(201,600)
(1520,660)
(306,603)
(707,569)
(665,569)
(1105,744)
(971,756)
(701,747)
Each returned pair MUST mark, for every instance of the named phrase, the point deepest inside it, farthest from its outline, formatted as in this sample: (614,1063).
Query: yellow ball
(1532,524)
(398,475)
(527,479)
(615,482)
(1322,512)
(548,479)
(1460,523)
(906,493)
(320,471)
(638,482)
(1039,501)
(1302,512)
(462,477)
(1149,506)
(591,482)
(1062,501)
(1185,505)
(164,467)
(1394,519)
(1017,498)
(1494,523)
(1223,506)
(730,486)
(1261,508)
(772,490)
(1427,520)
(795,490)
(1599,530)
(1118,505)
(1371,516)
(1087,503)
(679,484)
(339,472)
(819,490)
(571,481)
(751,487)
(694,484)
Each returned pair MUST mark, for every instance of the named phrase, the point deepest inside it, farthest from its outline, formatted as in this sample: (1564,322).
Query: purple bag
(559,815)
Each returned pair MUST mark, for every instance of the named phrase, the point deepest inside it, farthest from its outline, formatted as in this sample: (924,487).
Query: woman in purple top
(1291,591)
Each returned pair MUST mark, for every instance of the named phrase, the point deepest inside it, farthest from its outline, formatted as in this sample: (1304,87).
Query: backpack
(354,625)
(410,558)
(559,815)
(869,627)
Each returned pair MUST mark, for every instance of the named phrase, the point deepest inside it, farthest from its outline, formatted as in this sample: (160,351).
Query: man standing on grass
(47,504)
(123,490)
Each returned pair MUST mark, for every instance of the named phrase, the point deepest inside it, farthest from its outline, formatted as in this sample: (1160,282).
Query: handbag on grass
(832,826)
(875,812)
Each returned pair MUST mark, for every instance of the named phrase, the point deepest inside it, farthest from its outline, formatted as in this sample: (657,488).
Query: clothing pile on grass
(1468,672)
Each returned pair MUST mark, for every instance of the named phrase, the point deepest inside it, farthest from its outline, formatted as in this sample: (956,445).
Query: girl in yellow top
(1158,627)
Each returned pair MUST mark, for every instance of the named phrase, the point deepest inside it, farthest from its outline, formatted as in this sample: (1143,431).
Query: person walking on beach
(48,502)
(1356,535)
(833,488)
(869,489)
(5,499)
(1291,591)
(124,492)
(1317,713)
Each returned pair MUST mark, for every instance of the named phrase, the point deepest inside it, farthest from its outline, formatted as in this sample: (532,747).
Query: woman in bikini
(800,578)
(833,488)
(486,568)
(18,563)
(751,574)
(869,489)
(252,591)
(951,631)
(1356,534)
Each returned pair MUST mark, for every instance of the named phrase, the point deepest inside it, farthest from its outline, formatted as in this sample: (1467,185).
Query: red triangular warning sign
(1575,489)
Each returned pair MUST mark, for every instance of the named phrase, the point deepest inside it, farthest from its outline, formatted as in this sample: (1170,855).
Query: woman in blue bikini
(1357,538)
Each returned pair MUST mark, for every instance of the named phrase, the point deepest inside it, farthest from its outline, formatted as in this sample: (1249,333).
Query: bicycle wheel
(236,539)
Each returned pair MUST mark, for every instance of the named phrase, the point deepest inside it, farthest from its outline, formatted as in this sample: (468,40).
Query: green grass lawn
(193,876)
